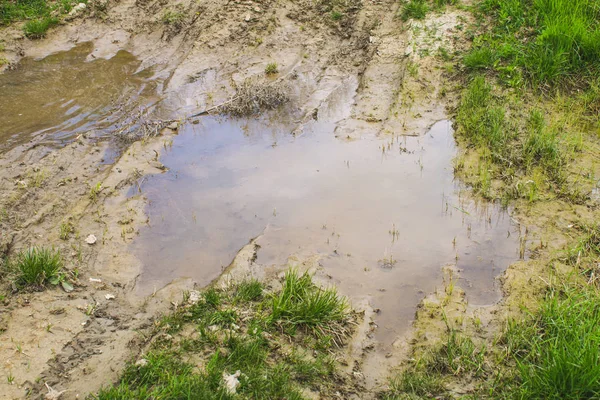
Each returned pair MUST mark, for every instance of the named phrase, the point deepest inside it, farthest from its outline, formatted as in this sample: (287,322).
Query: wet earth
(383,212)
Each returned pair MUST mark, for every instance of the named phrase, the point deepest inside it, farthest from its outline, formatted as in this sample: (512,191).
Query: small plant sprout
(95,191)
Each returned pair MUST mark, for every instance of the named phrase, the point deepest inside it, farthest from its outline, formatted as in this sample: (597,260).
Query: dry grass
(254,96)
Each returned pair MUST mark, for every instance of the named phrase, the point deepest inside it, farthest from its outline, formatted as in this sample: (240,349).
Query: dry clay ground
(76,342)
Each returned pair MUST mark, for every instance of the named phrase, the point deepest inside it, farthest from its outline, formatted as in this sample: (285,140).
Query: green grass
(232,330)
(37,266)
(557,351)
(37,28)
(414,9)
(250,290)
(11,11)
(551,41)
(516,147)
(302,304)
(39,15)
(417,383)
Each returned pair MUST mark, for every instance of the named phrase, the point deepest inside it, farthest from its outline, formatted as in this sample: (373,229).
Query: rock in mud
(78,8)
(91,239)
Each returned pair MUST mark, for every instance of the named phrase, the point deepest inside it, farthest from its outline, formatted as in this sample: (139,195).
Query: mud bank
(353,82)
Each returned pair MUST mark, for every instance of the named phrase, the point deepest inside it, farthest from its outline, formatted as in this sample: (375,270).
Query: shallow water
(315,194)
(66,94)
(383,213)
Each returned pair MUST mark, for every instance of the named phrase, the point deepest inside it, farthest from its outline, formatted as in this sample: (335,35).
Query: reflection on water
(64,95)
(385,215)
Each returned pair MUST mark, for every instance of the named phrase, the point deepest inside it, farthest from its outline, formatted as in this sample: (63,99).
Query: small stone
(173,126)
(247,18)
(109,296)
(78,8)
(142,362)
(91,239)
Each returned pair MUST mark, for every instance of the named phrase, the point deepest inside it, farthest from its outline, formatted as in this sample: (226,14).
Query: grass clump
(229,334)
(37,266)
(414,9)
(271,68)
(37,28)
(173,18)
(302,304)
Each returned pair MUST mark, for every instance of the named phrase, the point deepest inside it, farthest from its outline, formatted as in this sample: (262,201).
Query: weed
(37,28)
(271,68)
(37,266)
(3,61)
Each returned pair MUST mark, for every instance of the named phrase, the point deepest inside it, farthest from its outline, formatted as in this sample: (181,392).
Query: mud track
(79,341)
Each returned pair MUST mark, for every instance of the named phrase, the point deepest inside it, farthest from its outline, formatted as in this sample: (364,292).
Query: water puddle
(66,94)
(385,215)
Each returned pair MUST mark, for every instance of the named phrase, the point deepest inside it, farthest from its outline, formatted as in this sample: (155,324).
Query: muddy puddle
(69,93)
(384,215)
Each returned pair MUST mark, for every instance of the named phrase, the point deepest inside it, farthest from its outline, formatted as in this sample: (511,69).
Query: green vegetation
(554,353)
(37,266)
(557,351)
(11,11)
(418,9)
(527,122)
(415,9)
(336,15)
(235,335)
(37,28)
(174,18)
(271,68)
(40,15)
(549,41)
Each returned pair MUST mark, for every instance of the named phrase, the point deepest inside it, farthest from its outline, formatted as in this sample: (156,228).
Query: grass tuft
(37,28)
(302,304)
(414,9)
(271,68)
(37,266)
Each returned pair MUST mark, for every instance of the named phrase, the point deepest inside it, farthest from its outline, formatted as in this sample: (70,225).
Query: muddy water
(69,93)
(384,214)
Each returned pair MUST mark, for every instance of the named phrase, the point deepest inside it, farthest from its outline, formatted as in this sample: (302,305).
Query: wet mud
(352,179)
